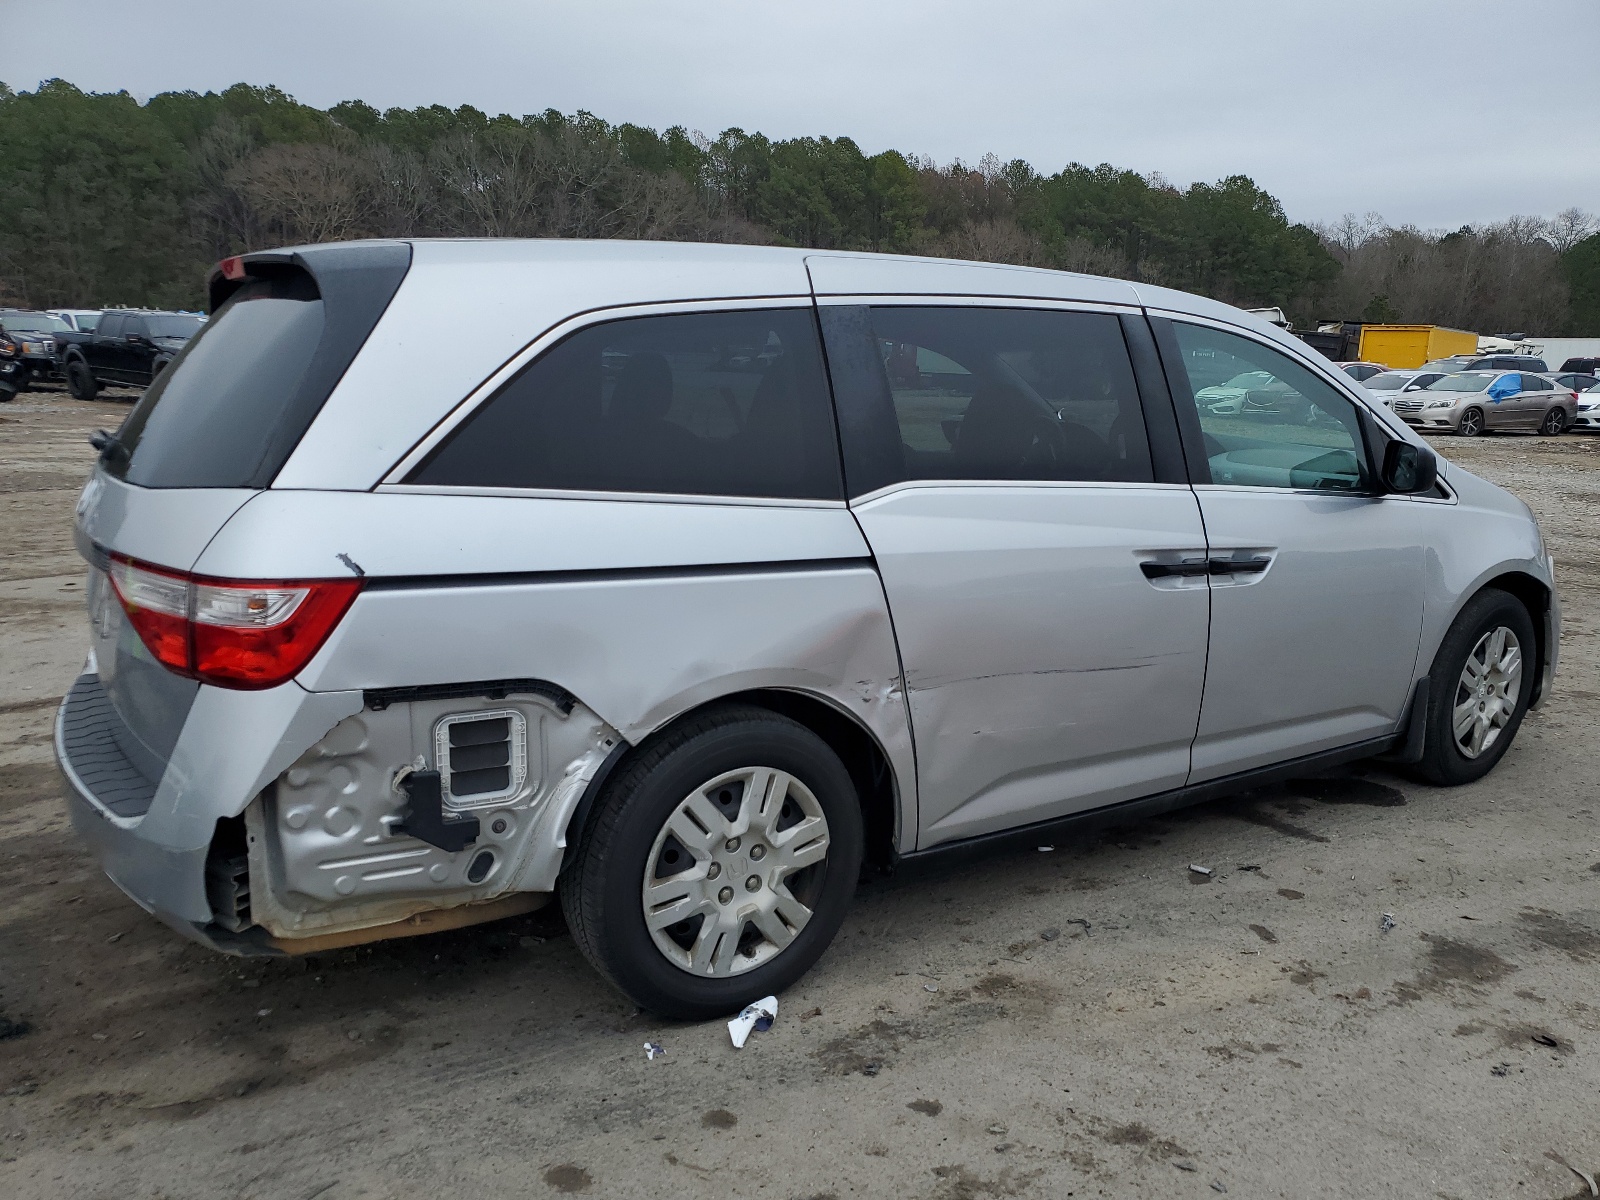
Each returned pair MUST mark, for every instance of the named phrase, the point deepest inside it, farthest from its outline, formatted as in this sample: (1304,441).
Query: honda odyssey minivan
(701,576)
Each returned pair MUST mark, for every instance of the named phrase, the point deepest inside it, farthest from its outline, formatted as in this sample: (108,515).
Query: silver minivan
(685,582)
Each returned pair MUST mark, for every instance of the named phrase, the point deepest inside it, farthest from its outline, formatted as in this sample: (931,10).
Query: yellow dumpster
(1401,346)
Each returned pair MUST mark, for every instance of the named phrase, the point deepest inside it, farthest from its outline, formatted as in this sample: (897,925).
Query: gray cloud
(1432,112)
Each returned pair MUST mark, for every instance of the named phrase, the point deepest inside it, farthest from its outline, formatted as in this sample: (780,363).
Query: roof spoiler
(373,267)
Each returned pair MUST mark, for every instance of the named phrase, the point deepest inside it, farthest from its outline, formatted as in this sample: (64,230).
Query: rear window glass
(206,420)
(1387,383)
(722,404)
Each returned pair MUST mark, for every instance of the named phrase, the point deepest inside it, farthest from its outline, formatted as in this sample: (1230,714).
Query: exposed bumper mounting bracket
(424,817)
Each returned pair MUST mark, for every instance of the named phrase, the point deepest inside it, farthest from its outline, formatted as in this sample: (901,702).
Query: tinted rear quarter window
(718,404)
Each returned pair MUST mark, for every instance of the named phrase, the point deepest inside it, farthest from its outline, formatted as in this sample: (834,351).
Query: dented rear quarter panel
(641,609)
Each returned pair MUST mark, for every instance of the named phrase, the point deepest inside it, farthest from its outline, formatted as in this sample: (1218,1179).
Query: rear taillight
(228,632)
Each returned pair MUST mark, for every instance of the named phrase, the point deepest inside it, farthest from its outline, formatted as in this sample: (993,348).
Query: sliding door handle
(1186,568)
(1240,566)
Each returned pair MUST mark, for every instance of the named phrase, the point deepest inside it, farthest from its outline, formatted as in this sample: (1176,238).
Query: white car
(1390,384)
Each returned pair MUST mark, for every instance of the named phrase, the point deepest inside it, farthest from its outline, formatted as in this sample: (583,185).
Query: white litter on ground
(757,1017)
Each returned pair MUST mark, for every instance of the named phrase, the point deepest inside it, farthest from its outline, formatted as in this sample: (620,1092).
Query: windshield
(1387,383)
(172,325)
(1461,383)
(32,323)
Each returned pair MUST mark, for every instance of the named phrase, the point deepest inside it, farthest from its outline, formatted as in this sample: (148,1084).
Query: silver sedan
(1477,401)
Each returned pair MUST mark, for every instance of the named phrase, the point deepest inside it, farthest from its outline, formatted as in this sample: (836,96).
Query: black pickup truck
(29,351)
(127,348)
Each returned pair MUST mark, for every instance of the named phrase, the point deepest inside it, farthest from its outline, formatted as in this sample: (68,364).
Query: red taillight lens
(257,635)
(232,633)
(157,604)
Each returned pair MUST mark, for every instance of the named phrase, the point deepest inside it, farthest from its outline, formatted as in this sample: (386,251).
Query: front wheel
(1471,423)
(80,382)
(718,867)
(1479,689)
(1555,421)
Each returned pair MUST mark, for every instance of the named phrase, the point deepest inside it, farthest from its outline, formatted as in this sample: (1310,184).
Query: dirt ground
(1091,1021)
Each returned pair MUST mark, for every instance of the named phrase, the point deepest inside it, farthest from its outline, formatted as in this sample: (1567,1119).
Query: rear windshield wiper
(110,446)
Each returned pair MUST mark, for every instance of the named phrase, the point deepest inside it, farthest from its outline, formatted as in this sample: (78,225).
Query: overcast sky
(1431,112)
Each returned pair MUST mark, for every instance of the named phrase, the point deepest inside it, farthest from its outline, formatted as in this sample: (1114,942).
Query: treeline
(1525,274)
(104,200)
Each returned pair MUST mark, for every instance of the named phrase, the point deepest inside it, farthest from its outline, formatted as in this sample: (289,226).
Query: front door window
(1267,420)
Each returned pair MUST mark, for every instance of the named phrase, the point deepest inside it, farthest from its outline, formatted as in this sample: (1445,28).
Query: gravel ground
(1091,1021)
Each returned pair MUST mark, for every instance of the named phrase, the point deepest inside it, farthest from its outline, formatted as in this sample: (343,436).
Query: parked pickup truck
(128,348)
(29,352)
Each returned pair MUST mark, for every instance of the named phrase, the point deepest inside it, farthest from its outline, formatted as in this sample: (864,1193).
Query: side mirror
(1409,469)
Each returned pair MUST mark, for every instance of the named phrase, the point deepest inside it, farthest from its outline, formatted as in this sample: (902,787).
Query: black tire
(80,382)
(1475,428)
(160,366)
(601,887)
(1555,421)
(1444,762)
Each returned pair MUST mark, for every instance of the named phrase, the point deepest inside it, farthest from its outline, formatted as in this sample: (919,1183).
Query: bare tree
(1502,277)
(307,193)
(1569,227)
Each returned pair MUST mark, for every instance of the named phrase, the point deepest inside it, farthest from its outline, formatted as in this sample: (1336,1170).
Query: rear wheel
(718,867)
(1479,689)
(80,382)
(1471,423)
(1554,421)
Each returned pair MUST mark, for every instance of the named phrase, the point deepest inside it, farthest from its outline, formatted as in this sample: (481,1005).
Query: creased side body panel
(1046,673)
(641,651)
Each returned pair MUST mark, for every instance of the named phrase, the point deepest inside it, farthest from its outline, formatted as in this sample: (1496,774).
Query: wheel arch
(1538,598)
(864,757)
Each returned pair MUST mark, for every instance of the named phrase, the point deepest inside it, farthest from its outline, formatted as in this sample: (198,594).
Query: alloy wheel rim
(1469,423)
(1486,694)
(735,872)
(1552,423)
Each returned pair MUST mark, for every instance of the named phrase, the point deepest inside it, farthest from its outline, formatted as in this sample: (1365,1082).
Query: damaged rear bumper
(295,850)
